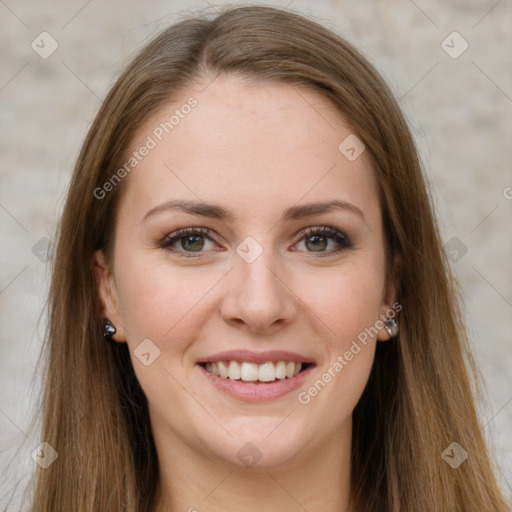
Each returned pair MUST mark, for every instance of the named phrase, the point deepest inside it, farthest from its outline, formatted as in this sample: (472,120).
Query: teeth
(234,370)
(281,370)
(266,372)
(251,372)
(223,370)
(248,372)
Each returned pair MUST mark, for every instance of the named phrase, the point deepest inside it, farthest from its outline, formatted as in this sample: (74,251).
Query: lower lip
(259,391)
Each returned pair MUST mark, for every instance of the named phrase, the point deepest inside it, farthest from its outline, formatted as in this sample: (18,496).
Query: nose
(257,298)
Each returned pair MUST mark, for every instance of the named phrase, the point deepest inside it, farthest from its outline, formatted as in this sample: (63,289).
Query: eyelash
(328,231)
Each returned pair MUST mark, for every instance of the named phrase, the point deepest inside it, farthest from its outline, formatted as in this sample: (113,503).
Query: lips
(246,368)
(257,357)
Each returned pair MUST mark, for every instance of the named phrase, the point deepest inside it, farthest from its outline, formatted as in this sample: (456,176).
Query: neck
(317,481)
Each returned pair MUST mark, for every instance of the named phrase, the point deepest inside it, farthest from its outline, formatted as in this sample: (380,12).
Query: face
(247,235)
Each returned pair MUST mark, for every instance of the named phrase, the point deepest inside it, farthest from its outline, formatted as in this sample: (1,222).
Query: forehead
(255,148)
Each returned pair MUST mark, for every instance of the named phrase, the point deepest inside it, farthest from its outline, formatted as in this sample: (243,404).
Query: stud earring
(108,330)
(391,327)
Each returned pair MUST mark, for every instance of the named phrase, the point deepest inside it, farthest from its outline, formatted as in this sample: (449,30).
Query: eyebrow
(218,212)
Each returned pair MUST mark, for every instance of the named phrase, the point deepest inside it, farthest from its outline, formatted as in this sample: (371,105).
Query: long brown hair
(420,395)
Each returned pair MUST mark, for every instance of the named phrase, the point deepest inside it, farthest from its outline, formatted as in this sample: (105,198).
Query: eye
(188,240)
(185,242)
(317,239)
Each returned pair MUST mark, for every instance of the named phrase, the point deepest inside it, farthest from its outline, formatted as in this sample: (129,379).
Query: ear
(107,295)
(390,305)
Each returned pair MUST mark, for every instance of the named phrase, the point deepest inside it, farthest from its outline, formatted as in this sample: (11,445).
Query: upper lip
(256,357)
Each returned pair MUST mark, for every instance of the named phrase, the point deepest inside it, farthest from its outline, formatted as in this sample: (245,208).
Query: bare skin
(255,151)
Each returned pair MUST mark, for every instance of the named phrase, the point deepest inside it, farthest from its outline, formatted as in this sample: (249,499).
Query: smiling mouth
(252,372)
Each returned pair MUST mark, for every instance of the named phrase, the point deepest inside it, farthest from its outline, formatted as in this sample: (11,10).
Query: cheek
(159,302)
(346,300)
(164,305)
(347,307)
(347,304)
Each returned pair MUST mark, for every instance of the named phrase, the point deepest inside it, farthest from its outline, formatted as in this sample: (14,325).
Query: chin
(262,445)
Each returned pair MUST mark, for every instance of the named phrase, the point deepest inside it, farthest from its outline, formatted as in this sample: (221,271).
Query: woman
(249,228)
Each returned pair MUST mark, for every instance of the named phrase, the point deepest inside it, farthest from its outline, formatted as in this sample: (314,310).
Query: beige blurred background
(458,101)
